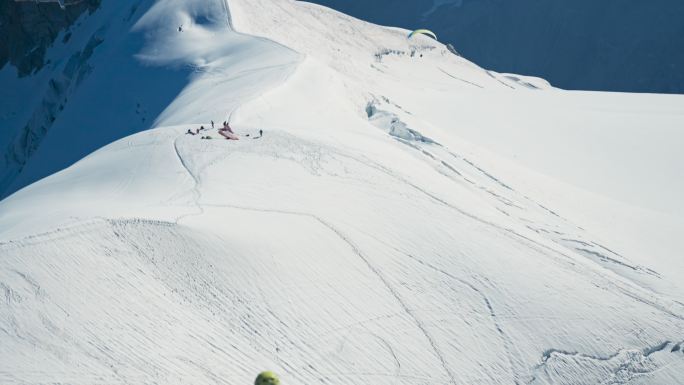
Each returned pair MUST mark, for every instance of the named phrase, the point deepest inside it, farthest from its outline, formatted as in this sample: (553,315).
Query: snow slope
(407,218)
(608,45)
(85,99)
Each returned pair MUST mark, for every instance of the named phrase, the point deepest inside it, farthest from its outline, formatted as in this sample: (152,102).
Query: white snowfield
(407,218)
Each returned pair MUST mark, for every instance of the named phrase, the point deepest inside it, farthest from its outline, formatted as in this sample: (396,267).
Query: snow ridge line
(229,20)
(197,194)
(59,232)
(39,237)
(498,80)
(400,300)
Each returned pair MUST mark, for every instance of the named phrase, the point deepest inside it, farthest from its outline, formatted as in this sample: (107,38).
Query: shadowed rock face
(28,28)
(608,45)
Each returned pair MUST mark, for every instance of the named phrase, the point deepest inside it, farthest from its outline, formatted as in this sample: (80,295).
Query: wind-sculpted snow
(626,366)
(360,239)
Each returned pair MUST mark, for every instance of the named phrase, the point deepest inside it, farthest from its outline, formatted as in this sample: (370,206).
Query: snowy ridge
(579,45)
(369,235)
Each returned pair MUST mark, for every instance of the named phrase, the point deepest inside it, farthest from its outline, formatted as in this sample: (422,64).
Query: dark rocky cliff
(28,28)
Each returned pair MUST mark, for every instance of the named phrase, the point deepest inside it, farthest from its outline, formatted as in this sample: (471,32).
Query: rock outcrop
(29,28)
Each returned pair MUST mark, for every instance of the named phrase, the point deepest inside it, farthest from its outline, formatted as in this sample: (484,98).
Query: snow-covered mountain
(407,217)
(610,45)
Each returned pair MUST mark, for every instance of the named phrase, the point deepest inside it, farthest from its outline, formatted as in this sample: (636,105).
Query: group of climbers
(196,132)
(226,131)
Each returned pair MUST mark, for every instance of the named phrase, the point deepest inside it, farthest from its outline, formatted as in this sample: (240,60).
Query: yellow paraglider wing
(267,378)
(423,32)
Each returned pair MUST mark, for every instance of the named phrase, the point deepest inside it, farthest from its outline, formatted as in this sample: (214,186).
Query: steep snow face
(50,103)
(85,99)
(377,232)
(582,44)
(30,27)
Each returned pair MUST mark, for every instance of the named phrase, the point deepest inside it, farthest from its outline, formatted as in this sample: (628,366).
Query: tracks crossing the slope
(196,193)
(560,255)
(386,283)
(355,249)
(549,250)
(505,340)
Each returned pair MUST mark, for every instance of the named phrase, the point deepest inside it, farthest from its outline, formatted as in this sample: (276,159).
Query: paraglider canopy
(267,378)
(423,32)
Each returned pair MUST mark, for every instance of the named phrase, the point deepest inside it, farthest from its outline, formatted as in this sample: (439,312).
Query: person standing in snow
(212,124)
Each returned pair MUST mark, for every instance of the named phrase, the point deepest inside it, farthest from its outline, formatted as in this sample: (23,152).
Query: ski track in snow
(506,343)
(196,187)
(462,80)
(420,147)
(377,272)
(400,300)
(505,340)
